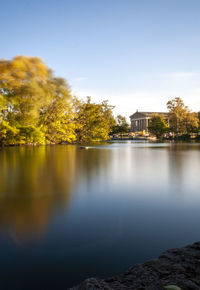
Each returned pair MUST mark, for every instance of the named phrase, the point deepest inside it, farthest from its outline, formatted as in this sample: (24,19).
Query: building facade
(140,120)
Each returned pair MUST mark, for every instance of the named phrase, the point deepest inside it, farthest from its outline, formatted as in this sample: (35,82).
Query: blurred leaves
(37,108)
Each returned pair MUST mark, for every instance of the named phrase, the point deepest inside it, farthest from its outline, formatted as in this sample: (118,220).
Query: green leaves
(34,103)
(182,120)
(120,126)
(8,133)
(93,121)
(158,126)
(36,107)
(30,135)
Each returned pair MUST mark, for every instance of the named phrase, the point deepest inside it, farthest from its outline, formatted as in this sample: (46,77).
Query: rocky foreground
(178,267)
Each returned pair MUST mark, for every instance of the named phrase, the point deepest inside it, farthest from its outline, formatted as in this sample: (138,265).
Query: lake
(67,214)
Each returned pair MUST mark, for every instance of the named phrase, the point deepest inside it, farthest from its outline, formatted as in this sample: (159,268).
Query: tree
(158,126)
(56,118)
(8,133)
(177,115)
(93,121)
(199,120)
(34,102)
(191,122)
(30,135)
(21,83)
(199,115)
(182,120)
(121,125)
(37,108)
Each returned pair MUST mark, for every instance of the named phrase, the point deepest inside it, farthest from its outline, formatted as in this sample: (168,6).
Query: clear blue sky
(136,53)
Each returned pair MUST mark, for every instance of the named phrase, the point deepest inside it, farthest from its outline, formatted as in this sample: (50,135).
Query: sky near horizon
(137,54)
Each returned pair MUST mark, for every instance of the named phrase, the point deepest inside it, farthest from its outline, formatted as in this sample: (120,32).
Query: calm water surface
(67,214)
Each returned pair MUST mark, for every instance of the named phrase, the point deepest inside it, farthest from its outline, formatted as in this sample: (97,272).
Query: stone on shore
(174,269)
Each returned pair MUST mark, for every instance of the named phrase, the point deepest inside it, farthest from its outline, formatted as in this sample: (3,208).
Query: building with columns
(140,120)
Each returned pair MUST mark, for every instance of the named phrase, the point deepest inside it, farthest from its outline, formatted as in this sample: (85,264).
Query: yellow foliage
(20,70)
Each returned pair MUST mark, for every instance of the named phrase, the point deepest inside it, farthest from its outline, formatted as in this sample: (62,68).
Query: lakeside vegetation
(38,108)
(182,122)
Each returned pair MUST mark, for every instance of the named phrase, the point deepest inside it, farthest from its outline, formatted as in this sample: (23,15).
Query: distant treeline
(37,108)
(182,122)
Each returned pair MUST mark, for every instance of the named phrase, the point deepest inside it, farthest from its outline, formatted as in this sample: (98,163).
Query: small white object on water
(84,147)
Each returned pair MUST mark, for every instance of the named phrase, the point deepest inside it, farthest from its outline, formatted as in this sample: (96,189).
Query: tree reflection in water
(36,181)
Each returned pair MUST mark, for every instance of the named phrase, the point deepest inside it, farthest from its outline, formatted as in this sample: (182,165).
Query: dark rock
(179,267)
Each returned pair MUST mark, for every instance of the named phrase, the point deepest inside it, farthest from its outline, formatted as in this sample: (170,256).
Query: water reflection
(77,213)
(183,168)
(37,181)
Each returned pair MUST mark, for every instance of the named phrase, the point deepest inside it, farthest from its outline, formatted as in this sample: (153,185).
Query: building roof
(138,114)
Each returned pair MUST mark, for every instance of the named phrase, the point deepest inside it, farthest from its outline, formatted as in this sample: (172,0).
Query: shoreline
(179,267)
(175,140)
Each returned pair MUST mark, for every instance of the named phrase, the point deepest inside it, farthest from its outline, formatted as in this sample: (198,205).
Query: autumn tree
(33,103)
(198,115)
(199,120)
(177,115)
(36,107)
(158,126)
(93,121)
(56,117)
(191,122)
(21,86)
(182,120)
(21,83)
